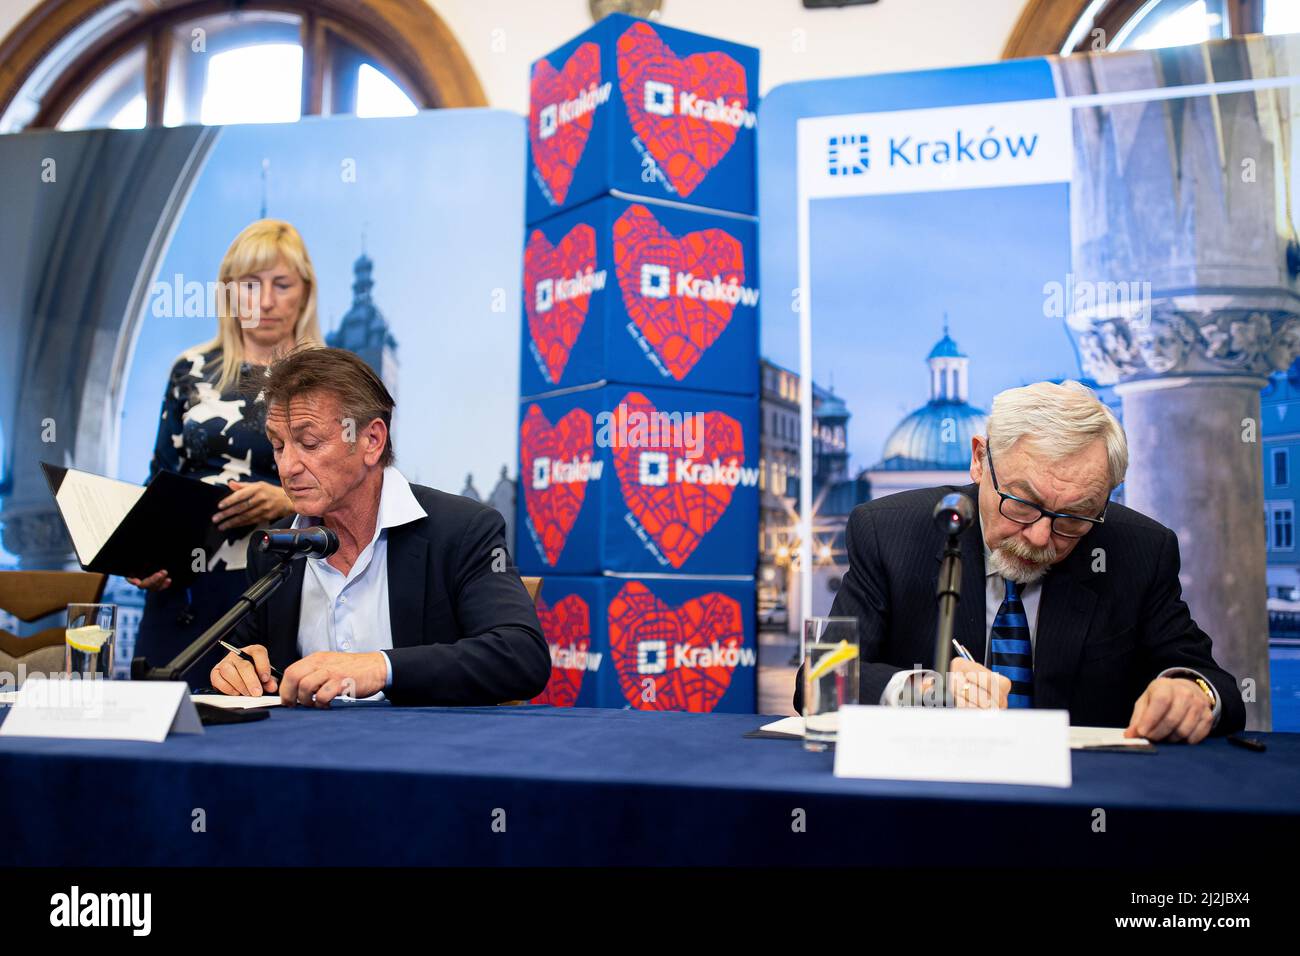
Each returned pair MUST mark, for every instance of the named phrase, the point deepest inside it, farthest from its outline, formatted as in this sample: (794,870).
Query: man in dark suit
(418,603)
(1067,601)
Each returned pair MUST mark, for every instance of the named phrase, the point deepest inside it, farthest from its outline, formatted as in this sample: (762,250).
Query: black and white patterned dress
(215,437)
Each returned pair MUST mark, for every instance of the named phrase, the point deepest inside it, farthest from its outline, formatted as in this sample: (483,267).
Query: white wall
(502,37)
(796,44)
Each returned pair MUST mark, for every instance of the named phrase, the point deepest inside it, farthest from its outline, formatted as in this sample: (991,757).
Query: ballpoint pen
(275,672)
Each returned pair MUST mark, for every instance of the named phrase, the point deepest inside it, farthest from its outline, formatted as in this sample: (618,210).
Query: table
(376,784)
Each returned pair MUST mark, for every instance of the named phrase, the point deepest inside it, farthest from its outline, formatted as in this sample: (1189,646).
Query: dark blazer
(1101,637)
(463,633)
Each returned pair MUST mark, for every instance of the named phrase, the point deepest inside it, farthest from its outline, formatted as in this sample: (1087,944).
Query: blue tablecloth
(376,784)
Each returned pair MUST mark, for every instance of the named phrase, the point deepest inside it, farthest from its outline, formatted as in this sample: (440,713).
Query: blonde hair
(1058,420)
(258,247)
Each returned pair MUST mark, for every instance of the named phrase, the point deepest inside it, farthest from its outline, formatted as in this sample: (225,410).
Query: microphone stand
(249,601)
(949,594)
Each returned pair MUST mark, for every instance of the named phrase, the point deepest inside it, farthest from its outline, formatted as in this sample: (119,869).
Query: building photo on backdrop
(1146,246)
(414,186)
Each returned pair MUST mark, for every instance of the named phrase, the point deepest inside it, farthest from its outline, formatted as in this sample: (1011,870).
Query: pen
(238,653)
(1249,743)
(962,651)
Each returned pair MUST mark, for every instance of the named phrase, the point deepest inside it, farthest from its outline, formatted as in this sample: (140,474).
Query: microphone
(316,542)
(954,513)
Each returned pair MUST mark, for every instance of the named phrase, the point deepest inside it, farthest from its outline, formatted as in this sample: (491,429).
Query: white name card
(954,745)
(101,710)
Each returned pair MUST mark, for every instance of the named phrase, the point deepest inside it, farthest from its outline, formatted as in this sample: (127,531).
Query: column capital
(36,536)
(1176,339)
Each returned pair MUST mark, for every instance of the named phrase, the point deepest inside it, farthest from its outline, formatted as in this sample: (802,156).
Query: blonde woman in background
(213,425)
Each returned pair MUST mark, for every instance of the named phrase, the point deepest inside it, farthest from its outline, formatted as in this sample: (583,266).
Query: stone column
(1209,490)
(1183,296)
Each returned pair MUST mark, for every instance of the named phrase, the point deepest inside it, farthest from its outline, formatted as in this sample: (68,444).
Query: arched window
(123,64)
(1054,26)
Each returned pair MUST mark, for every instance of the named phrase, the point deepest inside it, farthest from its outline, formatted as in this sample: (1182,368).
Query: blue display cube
(646,110)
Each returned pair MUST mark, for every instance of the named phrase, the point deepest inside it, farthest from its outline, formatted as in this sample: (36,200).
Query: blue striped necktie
(1011,653)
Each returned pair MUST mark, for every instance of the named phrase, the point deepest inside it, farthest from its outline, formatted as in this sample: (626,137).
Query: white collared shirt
(349,612)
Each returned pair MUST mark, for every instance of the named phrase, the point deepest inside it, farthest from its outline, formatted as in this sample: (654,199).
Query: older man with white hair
(1069,600)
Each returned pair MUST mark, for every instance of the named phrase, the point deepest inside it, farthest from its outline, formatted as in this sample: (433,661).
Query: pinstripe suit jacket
(1111,615)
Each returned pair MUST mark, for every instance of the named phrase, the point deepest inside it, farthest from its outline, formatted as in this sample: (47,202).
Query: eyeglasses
(1026,512)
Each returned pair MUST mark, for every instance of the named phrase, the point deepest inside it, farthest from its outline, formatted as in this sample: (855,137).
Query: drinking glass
(830,676)
(89,644)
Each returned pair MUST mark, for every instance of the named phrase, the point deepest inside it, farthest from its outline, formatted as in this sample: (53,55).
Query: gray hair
(1059,421)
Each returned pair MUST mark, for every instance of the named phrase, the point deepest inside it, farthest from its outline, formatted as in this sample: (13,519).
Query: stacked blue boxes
(639,439)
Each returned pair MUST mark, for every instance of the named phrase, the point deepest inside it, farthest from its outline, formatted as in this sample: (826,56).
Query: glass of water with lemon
(89,644)
(830,675)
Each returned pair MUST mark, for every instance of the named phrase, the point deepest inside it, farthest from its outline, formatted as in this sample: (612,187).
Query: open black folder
(121,528)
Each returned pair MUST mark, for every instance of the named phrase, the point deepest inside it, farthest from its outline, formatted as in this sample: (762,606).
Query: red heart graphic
(567,628)
(686,147)
(553,508)
(555,329)
(677,514)
(679,328)
(557,155)
(646,637)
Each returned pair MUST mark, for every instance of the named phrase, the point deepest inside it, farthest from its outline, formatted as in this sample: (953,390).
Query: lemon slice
(844,651)
(90,638)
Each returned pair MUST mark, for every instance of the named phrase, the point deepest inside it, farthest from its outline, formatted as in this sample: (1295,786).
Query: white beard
(1003,566)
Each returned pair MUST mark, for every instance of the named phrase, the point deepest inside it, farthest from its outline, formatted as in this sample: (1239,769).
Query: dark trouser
(176,616)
